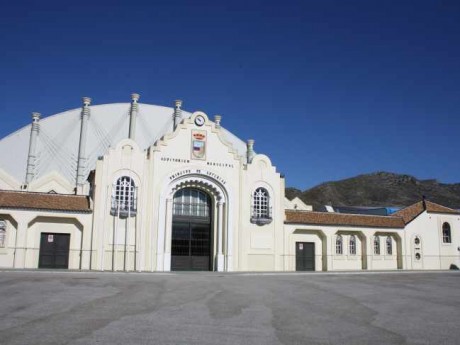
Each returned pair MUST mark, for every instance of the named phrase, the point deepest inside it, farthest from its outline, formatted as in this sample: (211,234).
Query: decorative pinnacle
(86,101)
(178,103)
(36,117)
(135,97)
(217,119)
(251,143)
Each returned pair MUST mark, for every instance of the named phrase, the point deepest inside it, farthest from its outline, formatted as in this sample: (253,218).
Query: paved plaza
(61,307)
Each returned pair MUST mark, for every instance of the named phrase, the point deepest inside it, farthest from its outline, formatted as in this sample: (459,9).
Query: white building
(137,187)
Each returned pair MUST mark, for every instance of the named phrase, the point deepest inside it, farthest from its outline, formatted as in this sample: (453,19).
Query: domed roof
(57,145)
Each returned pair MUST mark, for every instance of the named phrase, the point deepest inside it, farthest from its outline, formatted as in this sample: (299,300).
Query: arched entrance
(191,237)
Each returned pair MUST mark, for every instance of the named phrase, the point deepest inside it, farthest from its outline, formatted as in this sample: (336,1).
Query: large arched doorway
(191,239)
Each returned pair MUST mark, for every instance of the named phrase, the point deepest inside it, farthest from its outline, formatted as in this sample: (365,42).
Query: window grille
(446,238)
(261,209)
(339,245)
(190,202)
(352,245)
(124,197)
(376,245)
(389,243)
(2,233)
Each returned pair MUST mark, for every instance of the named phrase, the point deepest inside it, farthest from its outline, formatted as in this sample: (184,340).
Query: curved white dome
(57,145)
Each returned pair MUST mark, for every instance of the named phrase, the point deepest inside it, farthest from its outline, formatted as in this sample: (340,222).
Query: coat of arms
(198,144)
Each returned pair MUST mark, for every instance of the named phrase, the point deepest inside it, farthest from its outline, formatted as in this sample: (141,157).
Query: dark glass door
(54,250)
(191,246)
(305,256)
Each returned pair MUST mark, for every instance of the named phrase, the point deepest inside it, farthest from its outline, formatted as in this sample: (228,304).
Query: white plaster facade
(230,174)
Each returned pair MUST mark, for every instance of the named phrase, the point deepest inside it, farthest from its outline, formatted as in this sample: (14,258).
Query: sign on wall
(199,144)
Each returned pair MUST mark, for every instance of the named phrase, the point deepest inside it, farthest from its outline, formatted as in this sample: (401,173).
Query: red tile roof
(411,212)
(44,201)
(397,220)
(331,218)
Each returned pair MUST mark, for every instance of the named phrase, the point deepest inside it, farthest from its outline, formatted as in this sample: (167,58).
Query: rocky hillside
(379,189)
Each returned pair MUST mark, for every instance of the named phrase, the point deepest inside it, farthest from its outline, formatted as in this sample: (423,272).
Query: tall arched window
(124,197)
(339,245)
(352,245)
(446,238)
(2,233)
(376,245)
(261,209)
(389,244)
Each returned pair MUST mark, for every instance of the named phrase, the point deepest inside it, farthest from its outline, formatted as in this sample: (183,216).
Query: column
(168,234)
(220,232)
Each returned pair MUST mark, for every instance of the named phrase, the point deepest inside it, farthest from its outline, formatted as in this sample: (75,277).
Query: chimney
(133,115)
(177,112)
(85,112)
(250,150)
(217,120)
(35,129)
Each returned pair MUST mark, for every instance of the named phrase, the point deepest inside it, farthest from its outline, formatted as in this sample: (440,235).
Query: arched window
(261,209)
(352,245)
(339,245)
(446,238)
(124,197)
(389,244)
(2,233)
(376,245)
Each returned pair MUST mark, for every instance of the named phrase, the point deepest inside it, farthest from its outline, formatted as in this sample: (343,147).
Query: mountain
(379,189)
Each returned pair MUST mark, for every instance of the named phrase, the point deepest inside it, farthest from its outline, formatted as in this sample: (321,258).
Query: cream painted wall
(326,258)
(23,237)
(434,253)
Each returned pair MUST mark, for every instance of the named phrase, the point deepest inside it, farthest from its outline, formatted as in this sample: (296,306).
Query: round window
(417,240)
(418,256)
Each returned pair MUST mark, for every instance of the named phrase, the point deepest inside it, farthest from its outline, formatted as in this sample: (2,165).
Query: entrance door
(191,243)
(191,231)
(54,250)
(305,256)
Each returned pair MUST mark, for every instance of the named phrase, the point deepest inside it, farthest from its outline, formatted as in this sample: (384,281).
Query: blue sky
(328,89)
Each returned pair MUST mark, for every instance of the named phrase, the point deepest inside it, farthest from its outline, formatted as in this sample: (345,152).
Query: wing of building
(138,187)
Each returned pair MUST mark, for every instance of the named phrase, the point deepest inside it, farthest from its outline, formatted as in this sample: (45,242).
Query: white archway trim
(222,198)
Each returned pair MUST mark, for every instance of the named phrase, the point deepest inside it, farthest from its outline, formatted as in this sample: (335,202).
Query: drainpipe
(85,113)
(177,112)
(250,150)
(133,115)
(35,129)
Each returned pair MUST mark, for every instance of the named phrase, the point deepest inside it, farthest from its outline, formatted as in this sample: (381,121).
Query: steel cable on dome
(54,152)
(106,137)
(57,143)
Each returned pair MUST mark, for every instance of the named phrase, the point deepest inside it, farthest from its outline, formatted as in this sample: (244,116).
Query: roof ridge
(345,214)
(39,193)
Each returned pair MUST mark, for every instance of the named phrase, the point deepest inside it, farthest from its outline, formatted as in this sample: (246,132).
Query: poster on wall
(199,144)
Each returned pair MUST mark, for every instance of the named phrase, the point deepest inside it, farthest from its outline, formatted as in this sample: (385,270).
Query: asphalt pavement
(61,307)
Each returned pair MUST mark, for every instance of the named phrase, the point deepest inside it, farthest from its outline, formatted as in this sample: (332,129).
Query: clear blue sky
(328,89)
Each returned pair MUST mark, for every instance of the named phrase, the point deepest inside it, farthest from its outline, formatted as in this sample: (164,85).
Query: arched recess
(302,235)
(398,240)
(361,252)
(59,225)
(221,198)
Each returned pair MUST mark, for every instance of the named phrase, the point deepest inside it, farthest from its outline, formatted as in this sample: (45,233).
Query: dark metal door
(54,250)
(305,256)
(191,246)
